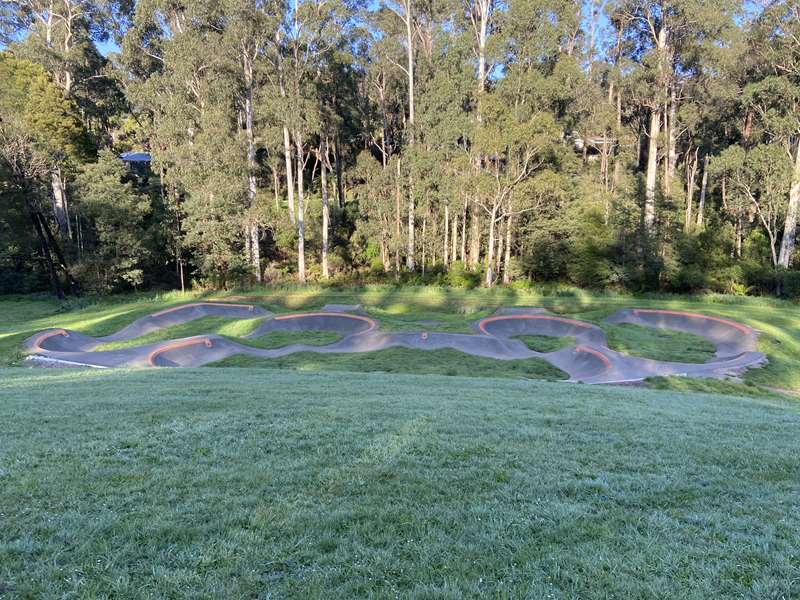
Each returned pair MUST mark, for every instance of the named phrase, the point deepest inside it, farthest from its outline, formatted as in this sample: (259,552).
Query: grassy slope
(400,308)
(247,483)
(405,360)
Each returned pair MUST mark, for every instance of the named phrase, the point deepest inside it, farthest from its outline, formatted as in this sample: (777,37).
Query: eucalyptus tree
(387,81)
(758,178)
(664,37)
(775,100)
(405,11)
(375,191)
(515,146)
(59,33)
(310,31)
(524,118)
(248,27)
(183,82)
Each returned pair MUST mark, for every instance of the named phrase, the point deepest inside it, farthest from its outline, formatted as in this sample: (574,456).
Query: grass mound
(279,339)
(404,360)
(234,329)
(546,343)
(229,327)
(659,344)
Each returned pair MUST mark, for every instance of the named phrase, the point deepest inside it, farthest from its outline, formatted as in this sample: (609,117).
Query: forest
(631,145)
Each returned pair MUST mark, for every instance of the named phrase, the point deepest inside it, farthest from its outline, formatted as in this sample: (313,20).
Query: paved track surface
(589,360)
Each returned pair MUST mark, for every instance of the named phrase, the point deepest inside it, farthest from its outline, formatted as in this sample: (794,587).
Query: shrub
(461,277)
(790,283)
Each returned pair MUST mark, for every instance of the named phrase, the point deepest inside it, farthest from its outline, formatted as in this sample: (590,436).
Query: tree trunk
(618,155)
(59,198)
(337,152)
(325,210)
(498,258)
(672,150)
(490,249)
(301,241)
(384,255)
(410,265)
(67,20)
(79,236)
(252,229)
(790,224)
(445,238)
(739,236)
(56,249)
(691,177)
(55,283)
(475,236)
(287,154)
(397,232)
(482,35)
(254,236)
(464,233)
(703,188)
(507,261)
(654,131)
(424,227)
(409,21)
(652,167)
(453,255)
(287,143)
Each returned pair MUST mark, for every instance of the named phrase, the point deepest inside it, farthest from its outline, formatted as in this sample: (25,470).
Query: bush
(461,277)
(790,283)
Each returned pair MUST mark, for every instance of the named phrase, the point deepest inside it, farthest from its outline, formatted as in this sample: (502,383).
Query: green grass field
(254,483)
(325,475)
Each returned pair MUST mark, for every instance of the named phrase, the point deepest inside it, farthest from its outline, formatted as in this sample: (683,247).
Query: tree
(108,198)
(758,178)
(665,37)
(38,126)
(405,11)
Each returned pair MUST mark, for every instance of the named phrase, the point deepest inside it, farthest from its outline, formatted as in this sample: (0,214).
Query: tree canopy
(630,144)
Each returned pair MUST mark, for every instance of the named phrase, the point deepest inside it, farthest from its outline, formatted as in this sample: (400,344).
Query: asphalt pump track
(588,360)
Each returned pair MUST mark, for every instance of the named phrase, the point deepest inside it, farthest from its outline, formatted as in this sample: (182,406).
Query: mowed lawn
(253,483)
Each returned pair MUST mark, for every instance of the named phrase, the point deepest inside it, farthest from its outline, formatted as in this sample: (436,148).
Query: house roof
(135,156)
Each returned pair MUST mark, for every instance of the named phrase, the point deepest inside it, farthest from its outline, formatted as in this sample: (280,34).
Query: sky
(106,48)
